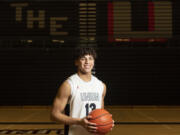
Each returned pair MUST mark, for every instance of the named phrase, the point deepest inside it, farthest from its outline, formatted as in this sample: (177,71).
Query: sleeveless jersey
(85,97)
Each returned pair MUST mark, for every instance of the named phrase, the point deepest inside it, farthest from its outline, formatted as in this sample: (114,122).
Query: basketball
(103,119)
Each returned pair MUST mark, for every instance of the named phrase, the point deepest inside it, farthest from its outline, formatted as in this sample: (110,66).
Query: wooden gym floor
(131,120)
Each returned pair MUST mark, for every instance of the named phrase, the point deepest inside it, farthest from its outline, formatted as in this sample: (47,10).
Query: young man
(84,92)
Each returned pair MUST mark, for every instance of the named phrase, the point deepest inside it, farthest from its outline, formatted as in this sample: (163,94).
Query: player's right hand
(89,126)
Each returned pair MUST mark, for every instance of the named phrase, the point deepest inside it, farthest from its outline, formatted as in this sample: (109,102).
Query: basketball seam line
(99,116)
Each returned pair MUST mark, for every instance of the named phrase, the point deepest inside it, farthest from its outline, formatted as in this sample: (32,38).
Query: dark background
(133,76)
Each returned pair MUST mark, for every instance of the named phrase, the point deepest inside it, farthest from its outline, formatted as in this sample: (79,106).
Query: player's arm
(59,104)
(103,95)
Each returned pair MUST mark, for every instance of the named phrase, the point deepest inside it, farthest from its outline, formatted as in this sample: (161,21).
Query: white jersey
(85,97)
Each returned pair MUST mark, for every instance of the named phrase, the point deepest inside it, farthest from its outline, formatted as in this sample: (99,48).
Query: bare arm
(59,104)
(103,96)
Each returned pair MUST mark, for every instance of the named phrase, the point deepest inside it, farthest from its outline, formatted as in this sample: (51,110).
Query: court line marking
(154,120)
(24,119)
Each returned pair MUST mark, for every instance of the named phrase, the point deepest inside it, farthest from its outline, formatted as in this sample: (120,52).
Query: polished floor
(131,120)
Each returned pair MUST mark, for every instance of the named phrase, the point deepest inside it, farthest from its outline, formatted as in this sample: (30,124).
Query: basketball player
(83,91)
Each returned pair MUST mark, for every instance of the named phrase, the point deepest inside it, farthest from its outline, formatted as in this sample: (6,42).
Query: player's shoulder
(72,77)
(65,84)
(73,80)
(64,89)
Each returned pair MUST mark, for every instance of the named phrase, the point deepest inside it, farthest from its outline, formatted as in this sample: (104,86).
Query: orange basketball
(103,119)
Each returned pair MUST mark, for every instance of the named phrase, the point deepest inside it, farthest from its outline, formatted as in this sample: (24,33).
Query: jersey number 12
(91,106)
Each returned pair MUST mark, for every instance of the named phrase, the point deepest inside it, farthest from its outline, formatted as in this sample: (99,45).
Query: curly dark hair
(82,51)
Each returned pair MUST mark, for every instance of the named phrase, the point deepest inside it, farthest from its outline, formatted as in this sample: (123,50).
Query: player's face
(85,64)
